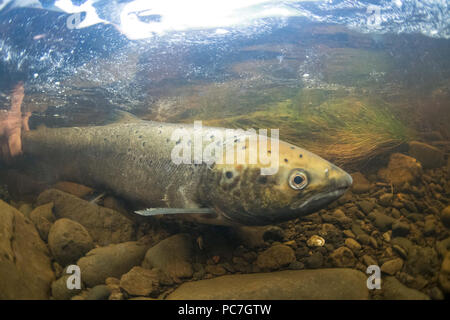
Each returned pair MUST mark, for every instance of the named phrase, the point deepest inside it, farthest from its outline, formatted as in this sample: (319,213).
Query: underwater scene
(224,150)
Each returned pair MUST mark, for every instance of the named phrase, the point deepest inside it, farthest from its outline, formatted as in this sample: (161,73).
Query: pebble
(68,241)
(100,292)
(444,275)
(400,229)
(387,236)
(349,234)
(366,206)
(401,252)
(368,260)
(315,241)
(275,257)
(445,216)
(386,199)
(353,245)
(391,267)
(315,261)
(380,220)
(343,257)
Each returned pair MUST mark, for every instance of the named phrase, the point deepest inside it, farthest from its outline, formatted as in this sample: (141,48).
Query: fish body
(135,160)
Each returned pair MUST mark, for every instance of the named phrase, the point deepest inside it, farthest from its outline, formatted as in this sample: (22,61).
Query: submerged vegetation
(346,130)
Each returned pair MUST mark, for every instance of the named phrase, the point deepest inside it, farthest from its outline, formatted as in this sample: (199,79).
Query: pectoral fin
(162,211)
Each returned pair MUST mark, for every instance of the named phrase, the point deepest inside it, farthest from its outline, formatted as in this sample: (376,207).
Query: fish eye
(298,180)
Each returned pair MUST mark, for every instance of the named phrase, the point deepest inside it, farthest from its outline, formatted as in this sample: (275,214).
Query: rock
(421,261)
(366,206)
(353,245)
(110,261)
(216,270)
(444,275)
(395,290)
(443,246)
(275,257)
(360,183)
(386,199)
(140,282)
(380,220)
(391,267)
(320,284)
(430,157)
(314,261)
(172,255)
(43,218)
(104,225)
(100,292)
(68,241)
(400,229)
(26,209)
(368,260)
(429,227)
(60,290)
(343,257)
(401,169)
(337,216)
(445,216)
(75,189)
(273,233)
(25,265)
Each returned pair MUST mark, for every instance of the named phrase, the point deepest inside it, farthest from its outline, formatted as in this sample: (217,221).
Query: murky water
(363,85)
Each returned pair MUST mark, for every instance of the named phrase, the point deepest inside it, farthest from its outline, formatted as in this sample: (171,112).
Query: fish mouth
(322,199)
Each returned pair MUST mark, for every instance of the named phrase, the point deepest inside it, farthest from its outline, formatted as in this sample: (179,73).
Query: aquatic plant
(348,130)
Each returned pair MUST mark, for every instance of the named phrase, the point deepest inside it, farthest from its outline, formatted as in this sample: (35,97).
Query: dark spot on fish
(292,148)
(105,139)
(244,147)
(140,137)
(159,131)
(301,156)
(236,140)
(229,174)
(178,142)
(262,180)
(211,137)
(269,151)
(167,140)
(143,144)
(286,160)
(129,149)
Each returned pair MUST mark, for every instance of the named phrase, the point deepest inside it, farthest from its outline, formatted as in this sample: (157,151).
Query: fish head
(301,183)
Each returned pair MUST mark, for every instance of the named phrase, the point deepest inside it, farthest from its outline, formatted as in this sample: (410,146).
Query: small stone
(140,282)
(100,292)
(401,252)
(395,290)
(343,257)
(273,233)
(68,241)
(110,261)
(387,236)
(353,245)
(429,227)
(26,209)
(349,234)
(74,188)
(444,275)
(386,199)
(315,241)
(366,206)
(275,257)
(445,216)
(368,260)
(216,270)
(380,220)
(60,291)
(400,229)
(391,267)
(315,261)
(43,218)
(172,255)
(401,169)
(296,265)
